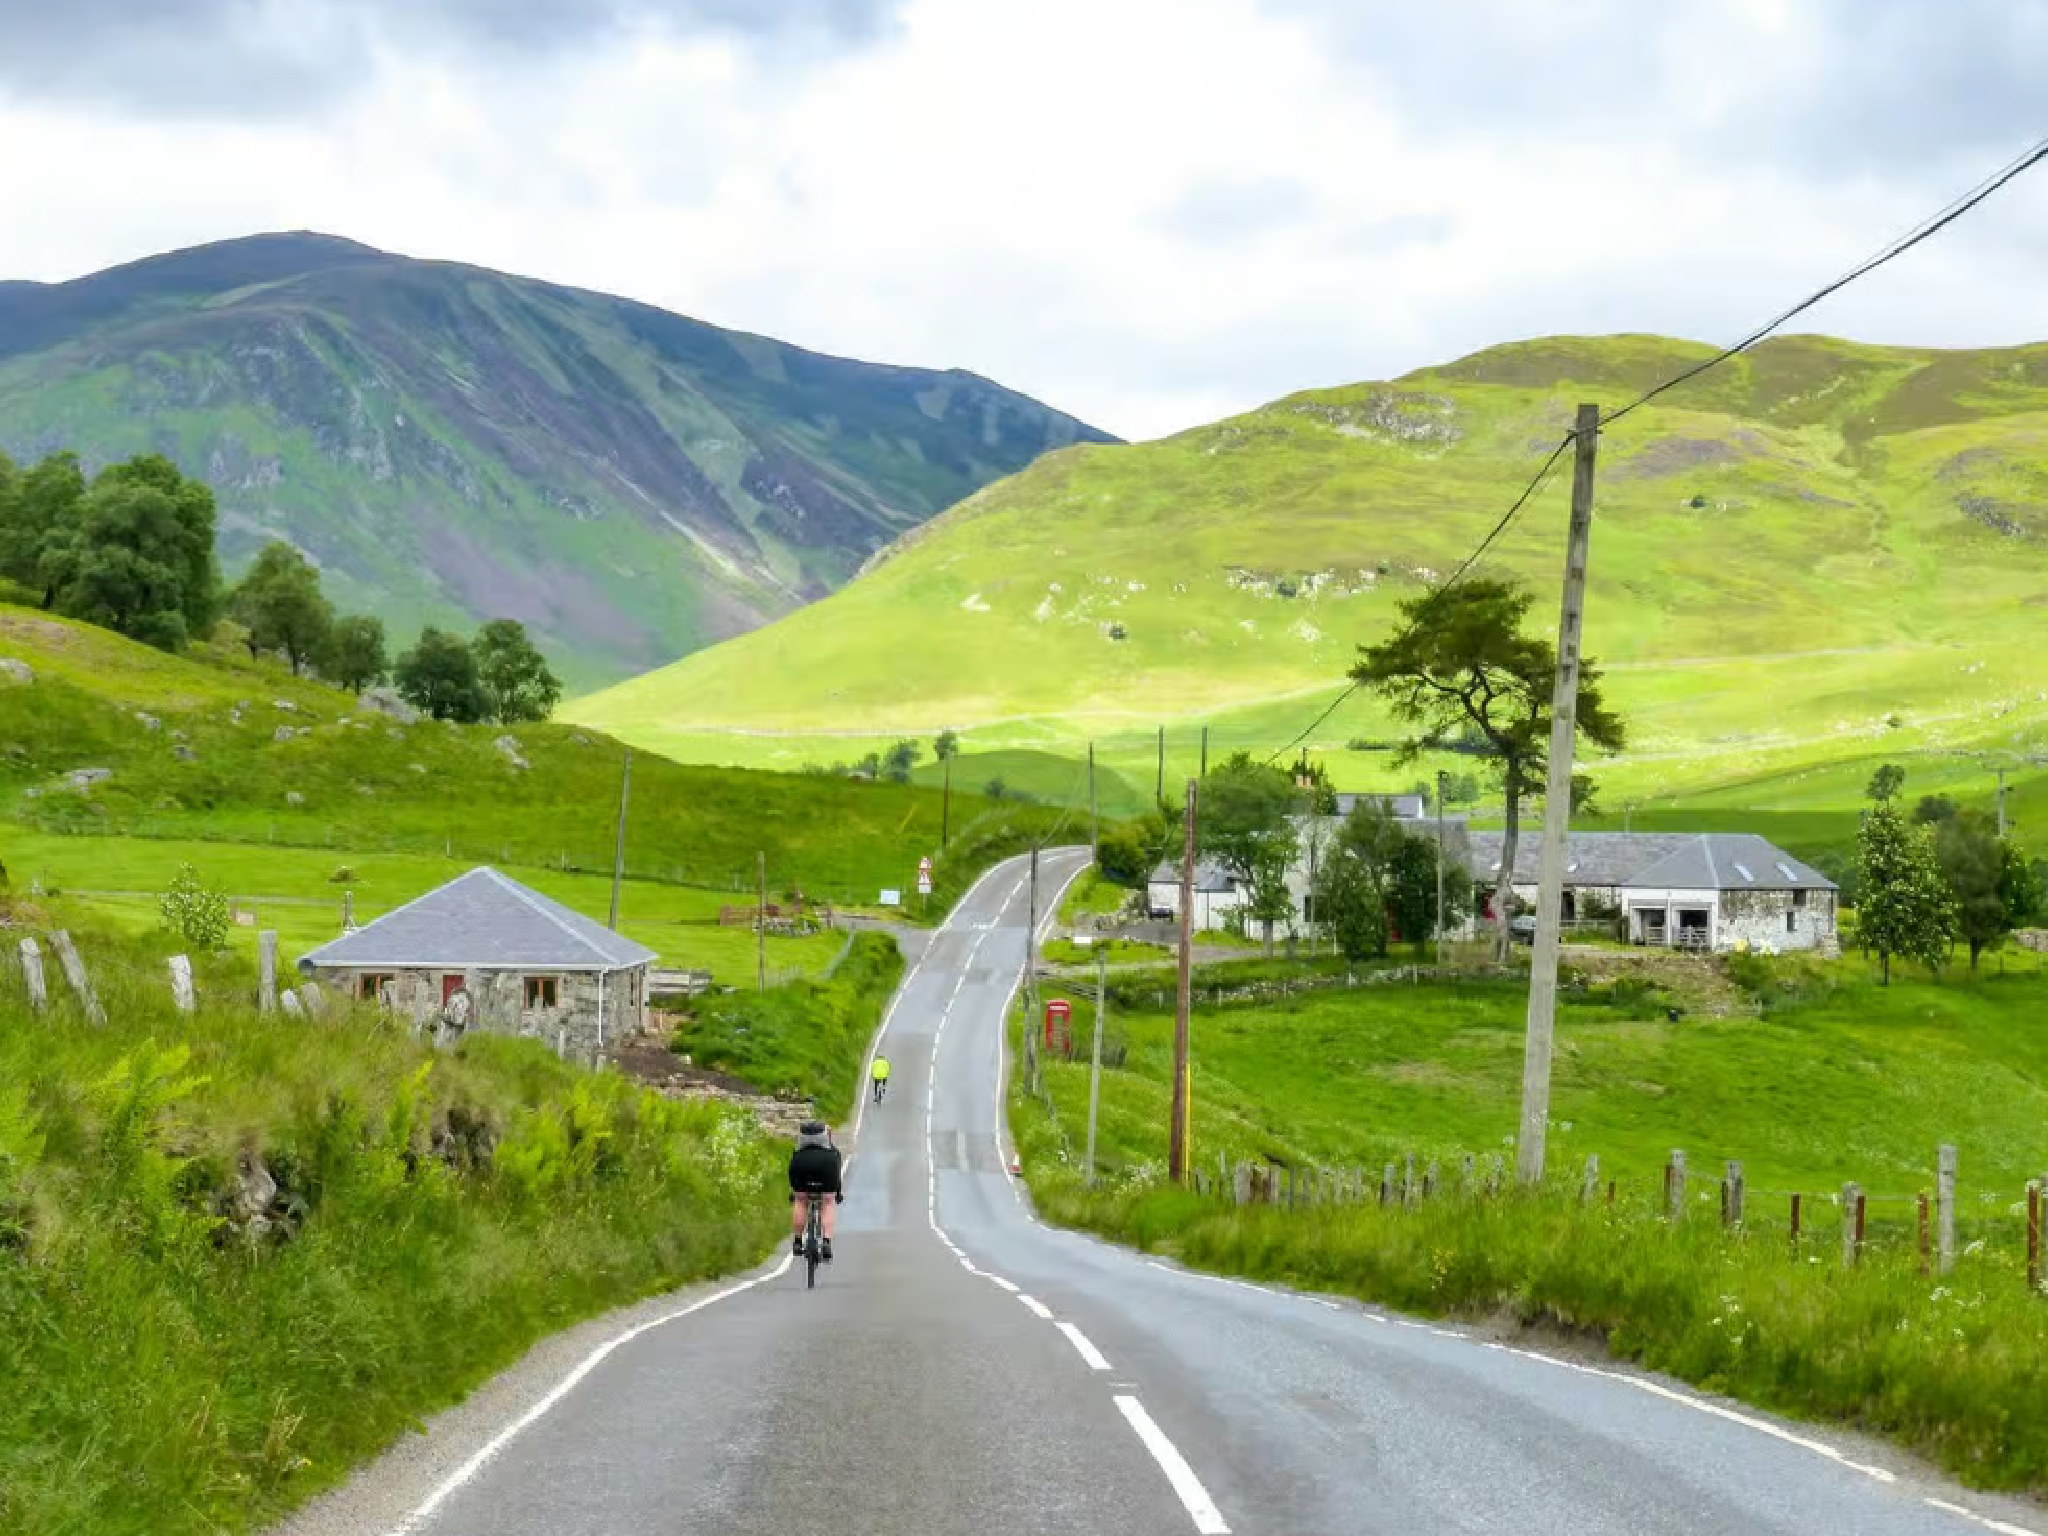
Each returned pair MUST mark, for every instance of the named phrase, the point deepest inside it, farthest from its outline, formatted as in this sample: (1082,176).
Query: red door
(450,985)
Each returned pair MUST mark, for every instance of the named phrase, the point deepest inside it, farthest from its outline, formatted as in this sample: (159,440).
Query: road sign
(924,877)
(892,898)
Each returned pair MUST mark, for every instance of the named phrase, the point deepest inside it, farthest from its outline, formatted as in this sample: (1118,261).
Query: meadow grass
(172,1369)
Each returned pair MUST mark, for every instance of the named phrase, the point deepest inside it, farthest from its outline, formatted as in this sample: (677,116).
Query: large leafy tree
(280,603)
(1987,876)
(1461,668)
(900,759)
(137,555)
(1906,908)
(517,681)
(1245,823)
(439,675)
(355,653)
(34,504)
(946,745)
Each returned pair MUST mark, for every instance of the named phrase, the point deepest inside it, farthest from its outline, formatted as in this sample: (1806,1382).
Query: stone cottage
(485,952)
(1682,890)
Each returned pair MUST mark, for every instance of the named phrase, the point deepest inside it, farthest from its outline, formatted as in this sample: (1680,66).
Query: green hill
(1818,553)
(108,742)
(449,443)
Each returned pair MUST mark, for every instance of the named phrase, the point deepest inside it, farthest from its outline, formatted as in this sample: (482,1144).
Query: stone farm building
(484,952)
(1685,890)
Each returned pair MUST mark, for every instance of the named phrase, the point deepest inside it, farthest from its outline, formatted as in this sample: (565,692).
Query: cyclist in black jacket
(814,1173)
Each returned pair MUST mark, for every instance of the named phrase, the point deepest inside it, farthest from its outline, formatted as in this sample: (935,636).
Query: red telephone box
(1059,1032)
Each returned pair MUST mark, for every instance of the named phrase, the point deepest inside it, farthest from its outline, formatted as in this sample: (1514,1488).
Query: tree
(1885,783)
(946,746)
(1934,809)
(34,505)
(1987,877)
(194,911)
(1124,856)
(1907,909)
(1585,795)
(517,683)
(438,675)
(1268,901)
(1461,666)
(1411,891)
(900,759)
(1351,907)
(1379,879)
(137,556)
(280,601)
(1245,823)
(355,656)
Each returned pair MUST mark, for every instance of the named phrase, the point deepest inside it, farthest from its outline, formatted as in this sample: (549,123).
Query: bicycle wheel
(813,1251)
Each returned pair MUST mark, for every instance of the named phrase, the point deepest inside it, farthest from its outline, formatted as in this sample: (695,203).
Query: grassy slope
(1846,1080)
(171,1377)
(367,786)
(1830,579)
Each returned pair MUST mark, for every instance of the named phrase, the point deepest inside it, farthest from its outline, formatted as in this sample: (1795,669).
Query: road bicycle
(881,1089)
(814,1239)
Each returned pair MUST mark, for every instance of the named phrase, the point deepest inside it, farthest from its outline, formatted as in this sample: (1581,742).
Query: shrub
(194,911)
(1124,856)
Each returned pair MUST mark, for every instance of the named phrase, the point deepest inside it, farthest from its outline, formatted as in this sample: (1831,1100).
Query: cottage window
(1799,898)
(369,988)
(541,991)
(1791,922)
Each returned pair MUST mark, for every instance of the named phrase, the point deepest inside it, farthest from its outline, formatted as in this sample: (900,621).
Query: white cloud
(1149,212)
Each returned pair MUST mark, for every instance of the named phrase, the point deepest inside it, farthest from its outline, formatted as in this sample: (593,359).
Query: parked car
(1159,914)
(1522,930)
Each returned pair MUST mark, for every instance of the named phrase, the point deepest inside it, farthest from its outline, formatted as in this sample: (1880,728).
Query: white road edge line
(1200,1507)
(1009,1285)
(1986,1521)
(1713,1410)
(1086,1350)
(562,1389)
(1037,1307)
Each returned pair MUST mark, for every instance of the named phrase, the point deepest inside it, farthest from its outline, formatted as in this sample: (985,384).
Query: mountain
(452,444)
(1816,551)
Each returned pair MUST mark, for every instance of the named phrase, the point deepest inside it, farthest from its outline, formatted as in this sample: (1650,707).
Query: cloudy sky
(1149,212)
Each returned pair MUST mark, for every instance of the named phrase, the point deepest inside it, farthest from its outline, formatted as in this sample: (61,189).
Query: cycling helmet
(814,1133)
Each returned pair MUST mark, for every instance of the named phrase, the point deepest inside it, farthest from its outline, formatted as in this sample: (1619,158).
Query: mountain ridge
(453,443)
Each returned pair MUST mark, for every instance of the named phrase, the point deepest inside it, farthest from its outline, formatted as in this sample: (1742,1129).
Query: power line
(1925,230)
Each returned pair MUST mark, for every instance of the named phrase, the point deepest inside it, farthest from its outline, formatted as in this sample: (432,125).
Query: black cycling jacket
(815,1170)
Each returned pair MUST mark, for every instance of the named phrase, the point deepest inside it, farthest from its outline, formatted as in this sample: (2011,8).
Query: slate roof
(481,921)
(1706,861)
(1400,807)
(1210,878)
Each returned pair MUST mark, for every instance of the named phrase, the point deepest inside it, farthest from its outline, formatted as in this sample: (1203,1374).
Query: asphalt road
(962,1368)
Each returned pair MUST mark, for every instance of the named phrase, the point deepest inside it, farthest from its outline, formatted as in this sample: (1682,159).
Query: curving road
(964,1369)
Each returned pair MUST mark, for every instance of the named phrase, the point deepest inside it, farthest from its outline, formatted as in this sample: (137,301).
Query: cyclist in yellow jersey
(881,1077)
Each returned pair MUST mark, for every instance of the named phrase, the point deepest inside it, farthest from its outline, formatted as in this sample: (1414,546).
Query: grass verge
(241,1254)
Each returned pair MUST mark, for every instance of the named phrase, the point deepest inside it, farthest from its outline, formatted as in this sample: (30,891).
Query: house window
(1799,898)
(1791,922)
(541,991)
(369,988)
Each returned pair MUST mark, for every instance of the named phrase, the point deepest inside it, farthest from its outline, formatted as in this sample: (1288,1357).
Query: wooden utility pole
(1440,776)
(761,922)
(1184,1001)
(1031,979)
(1094,830)
(2001,802)
(946,809)
(1159,790)
(1205,751)
(619,843)
(1095,1058)
(1557,811)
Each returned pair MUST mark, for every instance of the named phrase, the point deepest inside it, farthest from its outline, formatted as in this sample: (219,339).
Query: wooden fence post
(181,983)
(314,999)
(32,974)
(2033,1237)
(1241,1187)
(266,971)
(1945,1207)
(1429,1176)
(1387,1186)
(1796,1201)
(1675,1182)
(1590,1184)
(1408,1181)
(74,973)
(1852,1224)
(1731,1208)
(1923,1232)
(1467,1187)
